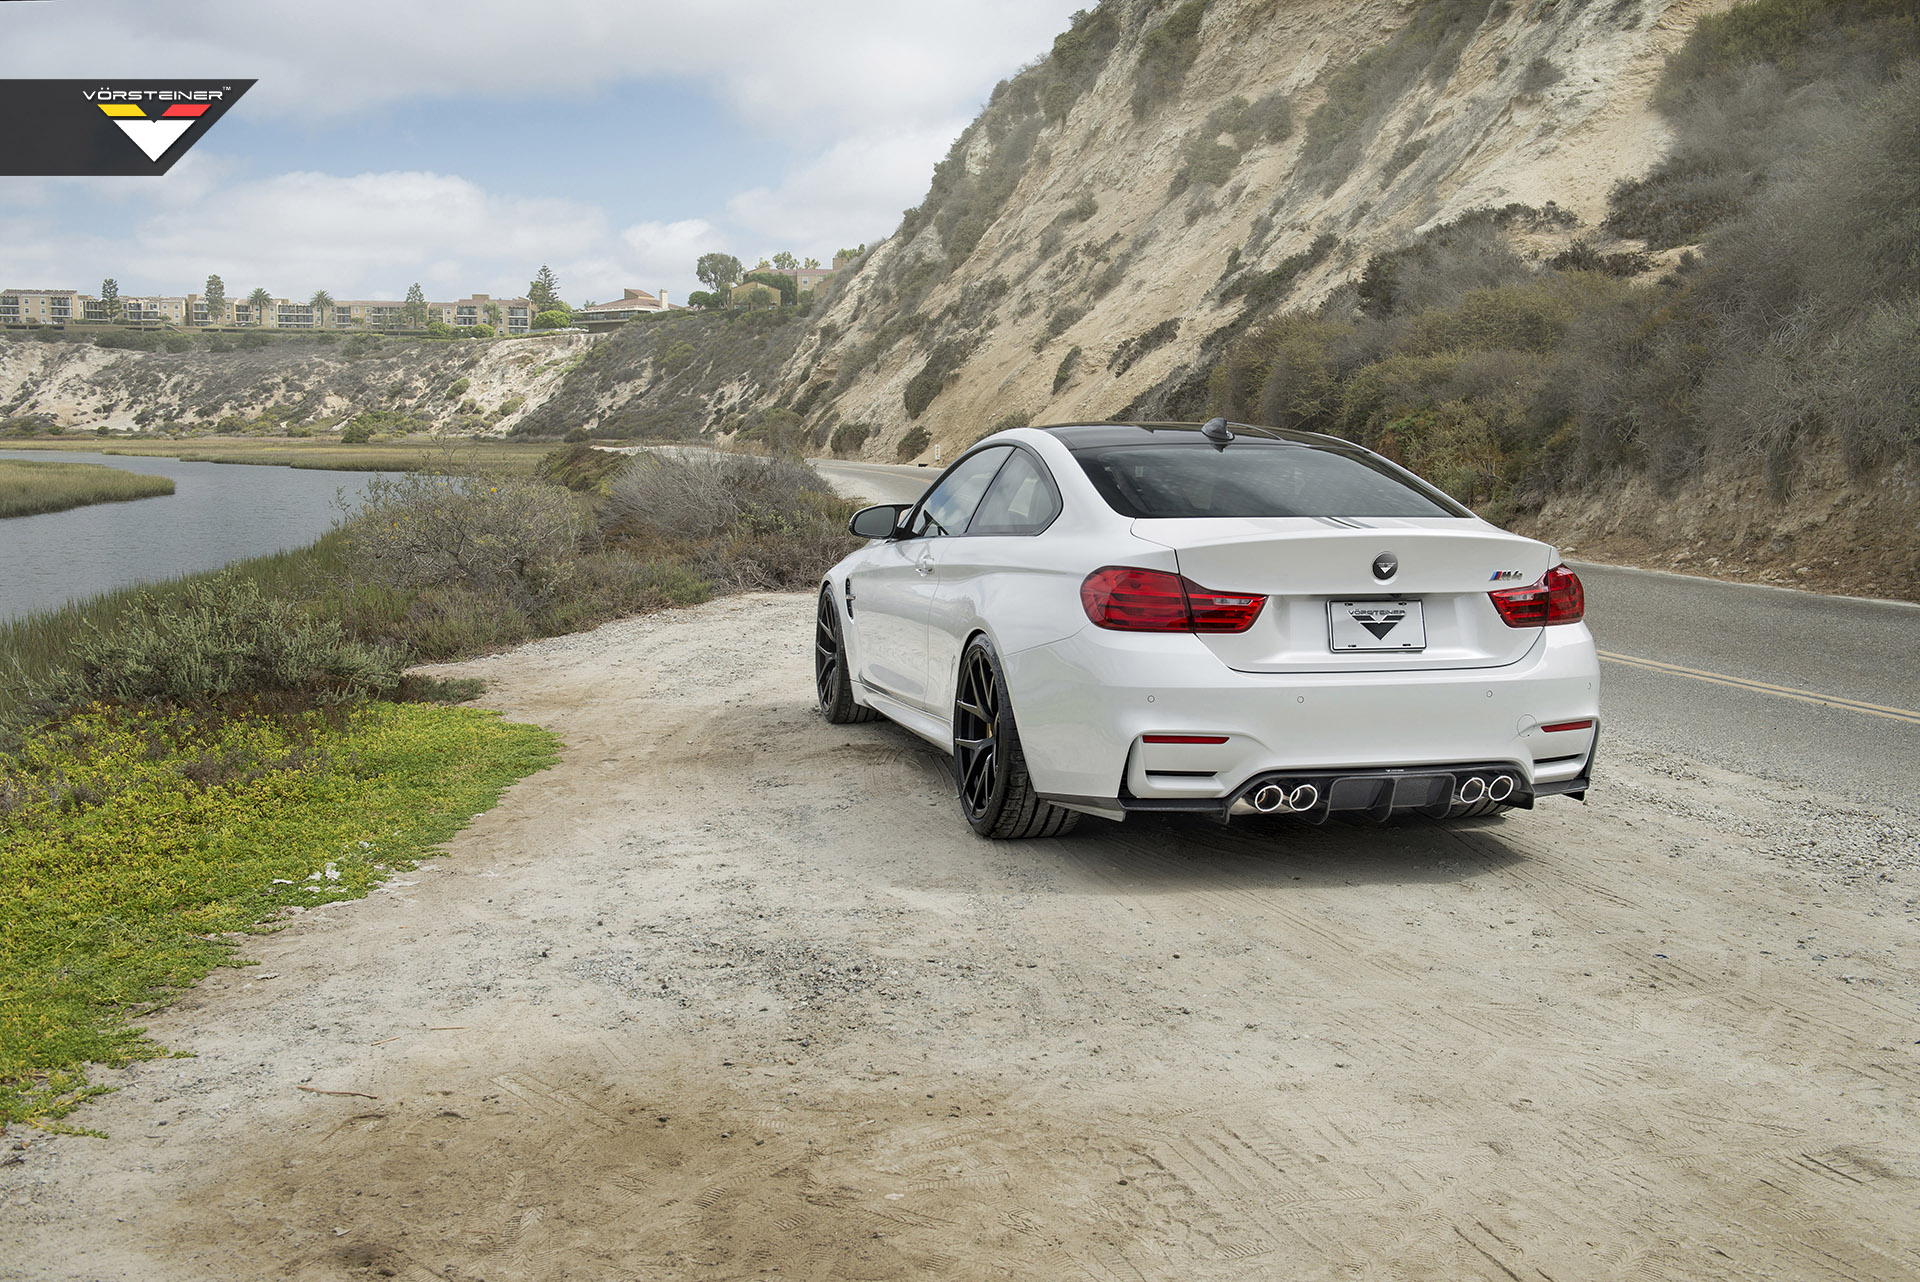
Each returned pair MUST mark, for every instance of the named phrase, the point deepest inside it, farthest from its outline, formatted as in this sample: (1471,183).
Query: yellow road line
(1785,692)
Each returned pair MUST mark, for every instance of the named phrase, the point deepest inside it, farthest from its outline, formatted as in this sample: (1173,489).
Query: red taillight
(1125,599)
(1556,598)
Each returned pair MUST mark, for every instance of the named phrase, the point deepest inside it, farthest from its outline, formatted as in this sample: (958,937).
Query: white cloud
(786,67)
(364,235)
(866,95)
(860,182)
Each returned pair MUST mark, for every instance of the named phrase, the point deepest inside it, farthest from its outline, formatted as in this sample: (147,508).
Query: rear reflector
(1183,738)
(1125,599)
(1556,598)
(1558,726)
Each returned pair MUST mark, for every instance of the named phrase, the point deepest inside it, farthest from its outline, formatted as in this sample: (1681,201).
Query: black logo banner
(103,128)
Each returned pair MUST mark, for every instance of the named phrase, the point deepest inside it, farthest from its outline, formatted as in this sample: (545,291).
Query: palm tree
(258,302)
(322,304)
(494,315)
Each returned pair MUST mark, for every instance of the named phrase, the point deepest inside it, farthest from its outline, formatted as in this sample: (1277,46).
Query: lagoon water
(217,514)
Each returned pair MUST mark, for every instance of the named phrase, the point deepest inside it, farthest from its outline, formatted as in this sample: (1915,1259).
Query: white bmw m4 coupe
(1221,620)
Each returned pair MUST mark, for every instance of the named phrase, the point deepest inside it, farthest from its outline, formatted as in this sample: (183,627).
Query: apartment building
(60,306)
(37,306)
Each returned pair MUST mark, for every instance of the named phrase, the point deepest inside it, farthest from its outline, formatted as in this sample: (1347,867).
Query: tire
(989,768)
(832,684)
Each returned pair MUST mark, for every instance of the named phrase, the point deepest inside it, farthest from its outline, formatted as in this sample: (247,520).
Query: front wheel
(990,770)
(831,682)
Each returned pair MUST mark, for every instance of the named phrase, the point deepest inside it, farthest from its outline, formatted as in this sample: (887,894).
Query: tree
(258,302)
(413,312)
(216,296)
(554,319)
(544,290)
(718,272)
(110,298)
(322,304)
(811,263)
(701,298)
(785,262)
(494,316)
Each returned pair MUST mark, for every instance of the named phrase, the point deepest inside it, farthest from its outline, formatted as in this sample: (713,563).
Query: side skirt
(935,731)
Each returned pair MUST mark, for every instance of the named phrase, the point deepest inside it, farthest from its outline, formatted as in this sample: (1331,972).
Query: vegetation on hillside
(1796,316)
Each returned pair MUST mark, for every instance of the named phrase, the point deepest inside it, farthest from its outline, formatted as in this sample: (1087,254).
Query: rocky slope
(1116,239)
(319,383)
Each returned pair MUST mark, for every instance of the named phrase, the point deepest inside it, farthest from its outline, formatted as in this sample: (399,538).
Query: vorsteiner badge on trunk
(1385,566)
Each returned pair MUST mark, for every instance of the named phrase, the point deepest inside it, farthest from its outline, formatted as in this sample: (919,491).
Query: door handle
(925,564)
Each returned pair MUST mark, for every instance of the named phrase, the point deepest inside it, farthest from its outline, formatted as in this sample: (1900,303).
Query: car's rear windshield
(1254,478)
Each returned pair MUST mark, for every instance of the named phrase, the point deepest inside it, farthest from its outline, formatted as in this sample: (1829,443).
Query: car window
(1020,501)
(1256,479)
(950,504)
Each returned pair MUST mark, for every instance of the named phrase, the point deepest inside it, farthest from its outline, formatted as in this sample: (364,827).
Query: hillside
(314,382)
(1139,235)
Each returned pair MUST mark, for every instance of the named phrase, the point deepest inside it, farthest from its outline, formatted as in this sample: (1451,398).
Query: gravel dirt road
(733,993)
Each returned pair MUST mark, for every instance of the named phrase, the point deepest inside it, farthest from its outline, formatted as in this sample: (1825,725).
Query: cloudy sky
(463,143)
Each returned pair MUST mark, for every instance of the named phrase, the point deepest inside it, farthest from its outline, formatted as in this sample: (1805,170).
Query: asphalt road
(1812,692)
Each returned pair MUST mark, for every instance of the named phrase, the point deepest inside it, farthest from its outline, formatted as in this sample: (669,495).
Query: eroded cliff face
(1138,236)
(80,385)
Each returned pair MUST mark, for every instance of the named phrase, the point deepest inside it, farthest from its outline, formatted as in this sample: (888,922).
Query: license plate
(1375,625)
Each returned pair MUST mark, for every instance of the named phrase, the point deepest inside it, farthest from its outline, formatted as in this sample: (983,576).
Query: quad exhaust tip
(1501,788)
(1303,797)
(1472,790)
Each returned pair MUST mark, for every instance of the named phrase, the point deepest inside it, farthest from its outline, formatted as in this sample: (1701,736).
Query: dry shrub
(497,535)
(740,521)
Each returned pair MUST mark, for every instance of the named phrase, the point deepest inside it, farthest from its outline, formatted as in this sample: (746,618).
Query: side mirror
(877,522)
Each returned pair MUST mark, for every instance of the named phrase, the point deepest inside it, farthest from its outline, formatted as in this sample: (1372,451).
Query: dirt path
(733,993)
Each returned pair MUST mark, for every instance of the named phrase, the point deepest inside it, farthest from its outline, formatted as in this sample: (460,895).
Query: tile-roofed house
(634,302)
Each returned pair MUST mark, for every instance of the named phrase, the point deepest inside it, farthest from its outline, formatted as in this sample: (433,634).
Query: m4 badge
(1501,576)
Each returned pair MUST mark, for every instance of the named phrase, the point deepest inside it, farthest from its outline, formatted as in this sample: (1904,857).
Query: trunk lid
(1446,566)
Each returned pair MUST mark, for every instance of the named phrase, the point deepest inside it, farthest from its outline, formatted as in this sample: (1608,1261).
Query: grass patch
(30,488)
(139,841)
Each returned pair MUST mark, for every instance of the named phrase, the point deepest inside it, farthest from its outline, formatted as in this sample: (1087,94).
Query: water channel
(218,513)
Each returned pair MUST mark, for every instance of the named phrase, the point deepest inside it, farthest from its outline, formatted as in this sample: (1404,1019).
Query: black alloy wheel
(989,769)
(831,682)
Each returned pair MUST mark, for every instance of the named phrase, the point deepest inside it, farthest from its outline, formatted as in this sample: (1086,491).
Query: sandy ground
(733,993)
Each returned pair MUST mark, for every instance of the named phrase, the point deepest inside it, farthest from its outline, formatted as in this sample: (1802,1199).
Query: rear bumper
(1087,706)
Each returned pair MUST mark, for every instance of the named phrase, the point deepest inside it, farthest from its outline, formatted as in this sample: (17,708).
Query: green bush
(1165,55)
(912,444)
(219,640)
(553,320)
(356,433)
(1140,344)
(456,389)
(1063,373)
(941,367)
(848,437)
